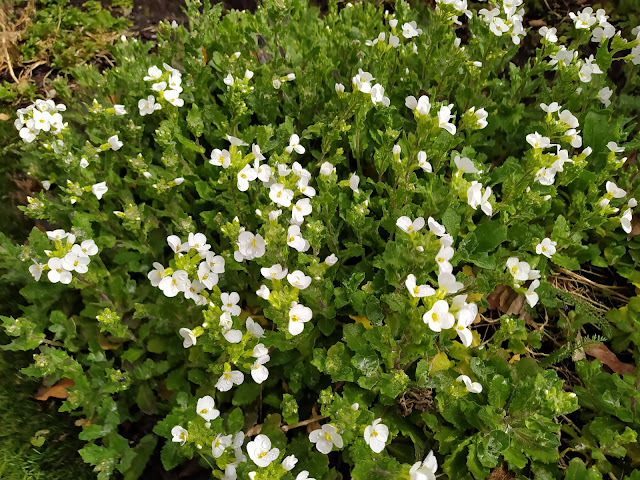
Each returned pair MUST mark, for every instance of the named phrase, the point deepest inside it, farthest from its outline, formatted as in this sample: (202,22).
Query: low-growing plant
(285,237)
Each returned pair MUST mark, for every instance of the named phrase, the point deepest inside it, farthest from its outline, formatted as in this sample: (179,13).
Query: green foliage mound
(286,241)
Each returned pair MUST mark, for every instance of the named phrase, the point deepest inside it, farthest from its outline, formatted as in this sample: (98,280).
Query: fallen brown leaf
(4,117)
(501,474)
(506,300)
(59,390)
(608,358)
(537,23)
(635,227)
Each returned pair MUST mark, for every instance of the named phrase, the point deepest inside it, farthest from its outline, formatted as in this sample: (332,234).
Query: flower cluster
(167,84)
(197,262)
(67,257)
(362,83)
(41,116)
(512,21)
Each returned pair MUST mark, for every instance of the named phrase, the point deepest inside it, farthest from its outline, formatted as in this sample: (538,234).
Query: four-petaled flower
(439,318)
(376,435)
(298,316)
(260,451)
(206,408)
(325,438)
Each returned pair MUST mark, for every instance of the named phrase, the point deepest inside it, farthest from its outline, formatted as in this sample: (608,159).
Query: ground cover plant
(349,245)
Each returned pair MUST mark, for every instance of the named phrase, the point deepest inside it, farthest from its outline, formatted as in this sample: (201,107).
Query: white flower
(304,475)
(88,247)
(228,379)
(409,30)
(294,144)
(36,271)
(339,88)
(546,247)
(220,158)
(119,110)
(75,263)
(206,276)
(289,462)
(421,106)
(276,83)
(481,117)
(301,209)
(259,372)
(376,435)
(614,191)
(519,270)
(295,240)
(442,258)
(254,328)
(325,438)
(206,408)
(588,69)
(198,241)
(448,283)
(425,470)
(531,296)
(176,244)
(189,337)
(228,80)
(466,316)
(298,316)
(465,165)
(569,118)
(422,162)
(551,108)
(154,73)
(377,95)
(99,189)
(299,280)
(362,81)
(148,105)
(439,318)
(331,260)
(435,227)
(173,284)
(476,198)
(327,169)
(263,292)
(472,387)
(57,272)
(250,246)
(179,434)
(418,291)
(444,115)
(230,303)
(229,334)
(220,444)
(354,181)
(625,220)
(114,142)
(260,451)
(406,225)
(246,175)
(281,195)
(538,141)
(275,272)
(548,34)
(613,146)
(584,19)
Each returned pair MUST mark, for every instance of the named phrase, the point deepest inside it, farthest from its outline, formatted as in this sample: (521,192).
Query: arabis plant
(299,253)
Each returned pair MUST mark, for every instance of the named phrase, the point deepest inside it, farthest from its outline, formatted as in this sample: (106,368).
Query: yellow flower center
(434,317)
